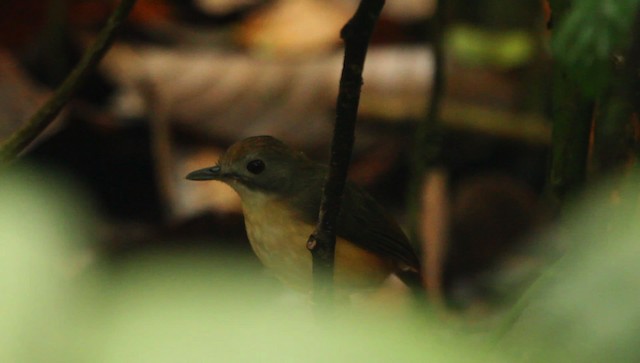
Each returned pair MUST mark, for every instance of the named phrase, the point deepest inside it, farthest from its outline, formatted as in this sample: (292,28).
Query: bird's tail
(414,282)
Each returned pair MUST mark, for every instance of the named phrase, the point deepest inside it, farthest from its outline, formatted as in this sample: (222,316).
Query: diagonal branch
(19,140)
(356,35)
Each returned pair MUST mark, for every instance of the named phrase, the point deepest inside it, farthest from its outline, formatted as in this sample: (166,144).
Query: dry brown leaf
(295,28)
(229,96)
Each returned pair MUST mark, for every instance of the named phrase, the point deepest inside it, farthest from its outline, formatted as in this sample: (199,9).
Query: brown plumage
(280,190)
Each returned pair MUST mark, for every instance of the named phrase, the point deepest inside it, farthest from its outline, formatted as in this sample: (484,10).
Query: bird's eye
(255,166)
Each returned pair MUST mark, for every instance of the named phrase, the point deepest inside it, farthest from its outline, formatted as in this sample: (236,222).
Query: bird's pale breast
(279,241)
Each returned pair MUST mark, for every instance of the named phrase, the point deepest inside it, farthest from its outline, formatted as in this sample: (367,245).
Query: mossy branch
(29,131)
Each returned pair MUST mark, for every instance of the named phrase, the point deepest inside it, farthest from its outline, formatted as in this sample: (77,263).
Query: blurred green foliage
(179,308)
(42,231)
(585,307)
(499,49)
(211,308)
(588,37)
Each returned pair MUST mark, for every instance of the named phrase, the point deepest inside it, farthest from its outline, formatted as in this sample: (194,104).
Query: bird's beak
(210,173)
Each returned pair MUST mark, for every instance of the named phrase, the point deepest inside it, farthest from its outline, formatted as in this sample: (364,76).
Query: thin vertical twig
(19,140)
(356,35)
(572,121)
(162,147)
(427,155)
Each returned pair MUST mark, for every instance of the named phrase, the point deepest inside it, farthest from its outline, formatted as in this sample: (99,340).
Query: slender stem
(427,153)
(572,120)
(19,140)
(356,35)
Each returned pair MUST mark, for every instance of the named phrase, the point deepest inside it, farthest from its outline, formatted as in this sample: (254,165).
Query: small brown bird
(280,191)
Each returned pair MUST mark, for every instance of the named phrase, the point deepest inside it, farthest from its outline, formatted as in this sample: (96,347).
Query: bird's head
(260,163)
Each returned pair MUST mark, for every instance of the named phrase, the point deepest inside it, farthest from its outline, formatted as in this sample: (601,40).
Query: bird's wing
(362,220)
(365,223)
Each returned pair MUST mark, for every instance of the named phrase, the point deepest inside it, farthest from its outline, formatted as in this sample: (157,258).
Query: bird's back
(362,220)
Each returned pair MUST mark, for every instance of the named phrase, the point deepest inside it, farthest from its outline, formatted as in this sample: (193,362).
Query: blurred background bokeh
(109,254)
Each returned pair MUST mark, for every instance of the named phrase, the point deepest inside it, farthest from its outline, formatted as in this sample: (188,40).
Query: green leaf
(587,38)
